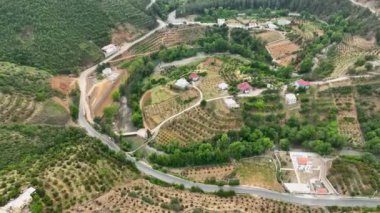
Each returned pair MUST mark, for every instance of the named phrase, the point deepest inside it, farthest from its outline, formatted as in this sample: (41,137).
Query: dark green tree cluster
(216,40)
(217,150)
(25,80)
(360,20)
(64,35)
(176,53)
(135,86)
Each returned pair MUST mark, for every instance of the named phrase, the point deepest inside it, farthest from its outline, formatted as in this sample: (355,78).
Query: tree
(203,103)
(284,144)
(236,149)
(116,96)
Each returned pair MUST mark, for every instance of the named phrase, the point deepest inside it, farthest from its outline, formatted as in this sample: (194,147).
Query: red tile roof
(302,160)
(193,76)
(244,86)
(303,83)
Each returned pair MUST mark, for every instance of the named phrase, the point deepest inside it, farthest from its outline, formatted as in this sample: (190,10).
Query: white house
(107,72)
(231,103)
(290,99)
(221,21)
(18,204)
(271,26)
(223,86)
(182,84)
(109,50)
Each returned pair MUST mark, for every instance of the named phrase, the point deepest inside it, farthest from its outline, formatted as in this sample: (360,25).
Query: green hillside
(65,165)
(361,20)
(63,35)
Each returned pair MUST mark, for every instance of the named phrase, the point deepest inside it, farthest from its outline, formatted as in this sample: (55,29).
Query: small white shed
(231,103)
(182,83)
(223,86)
(290,99)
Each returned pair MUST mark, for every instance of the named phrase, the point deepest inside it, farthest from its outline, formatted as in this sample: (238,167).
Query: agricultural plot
(354,177)
(283,52)
(260,172)
(317,107)
(209,83)
(307,30)
(349,51)
(142,196)
(50,113)
(347,116)
(67,167)
(200,124)
(168,37)
(270,36)
(155,113)
(16,108)
(203,173)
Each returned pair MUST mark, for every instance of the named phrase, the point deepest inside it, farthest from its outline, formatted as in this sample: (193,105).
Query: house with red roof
(194,76)
(302,84)
(244,87)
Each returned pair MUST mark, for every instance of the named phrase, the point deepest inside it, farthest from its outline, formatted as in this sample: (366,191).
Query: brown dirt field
(142,196)
(124,33)
(101,94)
(259,172)
(201,174)
(270,36)
(65,103)
(282,49)
(63,84)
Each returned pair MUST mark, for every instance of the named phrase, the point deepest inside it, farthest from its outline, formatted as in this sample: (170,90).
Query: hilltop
(64,35)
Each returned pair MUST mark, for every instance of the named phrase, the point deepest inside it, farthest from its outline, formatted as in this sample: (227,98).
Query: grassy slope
(64,164)
(62,35)
(24,80)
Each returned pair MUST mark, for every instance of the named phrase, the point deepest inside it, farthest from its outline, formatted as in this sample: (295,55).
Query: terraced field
(200,124)
(354,177)
(16,108)
(167,37)
(351,49)
(65,165)
(142,196)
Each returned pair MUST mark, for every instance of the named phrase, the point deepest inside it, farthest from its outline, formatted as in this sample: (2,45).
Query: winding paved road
(85,119)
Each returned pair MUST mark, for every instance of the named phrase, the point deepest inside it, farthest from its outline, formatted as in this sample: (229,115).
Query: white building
(107,72)
(110,50)
(290,99)
(231,103)
(182,84)
(272,26)
(223,86)
(221,21)
(18,204)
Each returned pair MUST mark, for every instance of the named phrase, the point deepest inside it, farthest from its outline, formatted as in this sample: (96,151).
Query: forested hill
(361,20)
(63,35)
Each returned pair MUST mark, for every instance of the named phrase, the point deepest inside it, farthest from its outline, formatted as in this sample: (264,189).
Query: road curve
(84,119)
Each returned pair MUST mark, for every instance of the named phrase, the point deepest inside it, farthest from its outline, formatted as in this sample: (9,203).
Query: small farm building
(221,21)
(245,87)
(182,84)
(290,99)
(194,76)
(109,50)
(231,103)
(107,72)
(302,84)
(223,86)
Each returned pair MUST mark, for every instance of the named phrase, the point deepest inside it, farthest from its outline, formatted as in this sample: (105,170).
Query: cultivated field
(200,124)
(270,36)
(16,108)
(66,166)
(349,51)
(142,196)
(203,173)
(155,113)
(260,172)
(354,177)
(283,52)
(167,37)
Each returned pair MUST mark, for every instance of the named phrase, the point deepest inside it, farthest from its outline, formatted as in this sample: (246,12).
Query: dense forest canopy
(63,35)
(361,20)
